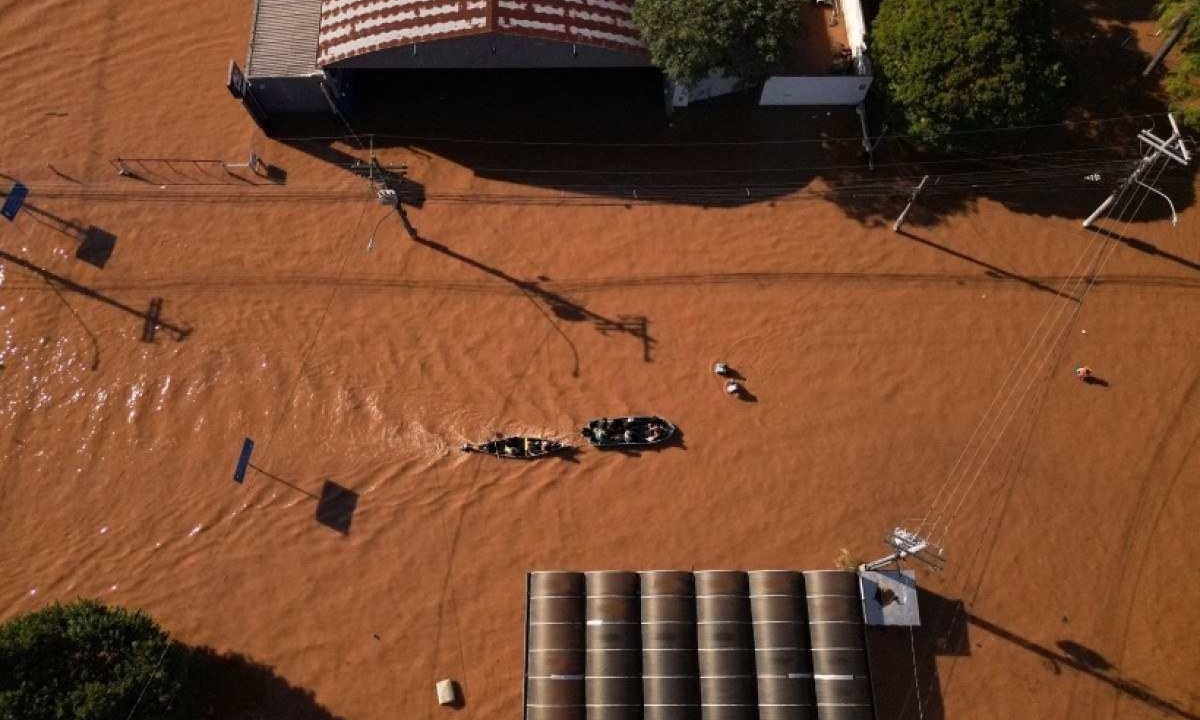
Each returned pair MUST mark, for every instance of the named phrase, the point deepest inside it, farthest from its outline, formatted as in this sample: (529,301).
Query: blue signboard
(14,201)
(239,473)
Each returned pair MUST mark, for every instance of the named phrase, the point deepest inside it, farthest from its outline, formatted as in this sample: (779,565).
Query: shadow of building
(605,136)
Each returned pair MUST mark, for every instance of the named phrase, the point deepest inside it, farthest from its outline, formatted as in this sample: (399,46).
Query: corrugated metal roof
(283,42)
(709,645)
(349,28)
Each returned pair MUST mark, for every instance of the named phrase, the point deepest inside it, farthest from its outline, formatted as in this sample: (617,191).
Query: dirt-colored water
(872,358)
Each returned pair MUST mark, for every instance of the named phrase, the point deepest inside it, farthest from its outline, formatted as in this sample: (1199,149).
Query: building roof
(283,38)
(709,645)
(350,28)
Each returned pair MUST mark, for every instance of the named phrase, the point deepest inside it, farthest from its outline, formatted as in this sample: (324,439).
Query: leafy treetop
(962,65)
(1183,80)
(86,661)
(689,38)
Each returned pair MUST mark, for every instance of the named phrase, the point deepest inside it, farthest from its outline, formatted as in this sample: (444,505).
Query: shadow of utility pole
(993,270)
(335,505)
(1089,662)
(636,326)
(180,332)
(916,693)
(1145,247)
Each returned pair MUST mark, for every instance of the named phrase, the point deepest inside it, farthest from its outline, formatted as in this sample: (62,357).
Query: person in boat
(628,436)
(654,432)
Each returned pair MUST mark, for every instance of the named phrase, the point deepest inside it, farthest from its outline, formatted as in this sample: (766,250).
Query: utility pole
(911,199)
(906,544)
(1173,148)
(1180,29)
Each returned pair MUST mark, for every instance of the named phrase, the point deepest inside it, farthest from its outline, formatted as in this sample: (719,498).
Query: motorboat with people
(517,447)
(638,431)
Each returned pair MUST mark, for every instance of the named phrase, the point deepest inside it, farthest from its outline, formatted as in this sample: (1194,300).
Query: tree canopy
(86,661)
(1183,79)
(961,65)
(688,38)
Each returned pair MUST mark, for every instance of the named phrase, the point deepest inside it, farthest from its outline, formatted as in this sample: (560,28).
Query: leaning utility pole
(1173,148)
(911,199)
(1180,29)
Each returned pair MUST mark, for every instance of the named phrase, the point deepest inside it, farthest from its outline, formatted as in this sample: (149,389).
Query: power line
(1054,336)
(940,519)
(959,617)
(1160,152)
(710,143)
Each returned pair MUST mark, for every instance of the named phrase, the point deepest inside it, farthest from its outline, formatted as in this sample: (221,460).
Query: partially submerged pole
(1100,210)
(1180,28)
(911,199)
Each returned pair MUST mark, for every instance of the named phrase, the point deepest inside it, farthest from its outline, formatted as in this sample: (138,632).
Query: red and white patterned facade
(350,28)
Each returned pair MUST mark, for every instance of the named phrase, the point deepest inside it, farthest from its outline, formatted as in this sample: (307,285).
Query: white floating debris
(196,531)
(33,591)
(1083,332)
(445,692)
(104,530)
(112,588)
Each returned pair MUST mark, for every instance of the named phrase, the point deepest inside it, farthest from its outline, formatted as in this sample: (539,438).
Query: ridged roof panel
(283,39)
(356,27)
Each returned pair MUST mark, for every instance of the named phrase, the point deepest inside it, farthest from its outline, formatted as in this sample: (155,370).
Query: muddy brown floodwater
(872,358)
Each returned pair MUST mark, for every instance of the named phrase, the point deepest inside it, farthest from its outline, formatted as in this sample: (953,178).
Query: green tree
(1183,79)
(86,661)
(962,65)
(688,38)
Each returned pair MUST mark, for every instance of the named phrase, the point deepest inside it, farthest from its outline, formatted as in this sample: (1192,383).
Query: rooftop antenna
(906,544)
(1173,148)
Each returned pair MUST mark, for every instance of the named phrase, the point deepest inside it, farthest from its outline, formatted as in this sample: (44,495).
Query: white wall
(856,34)
(841,90)
(856,24)
(716,84)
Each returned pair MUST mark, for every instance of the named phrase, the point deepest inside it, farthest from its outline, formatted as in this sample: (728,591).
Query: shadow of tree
(229,686)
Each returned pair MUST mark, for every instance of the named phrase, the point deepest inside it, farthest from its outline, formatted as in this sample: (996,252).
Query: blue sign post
(14,201)
(239,473)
